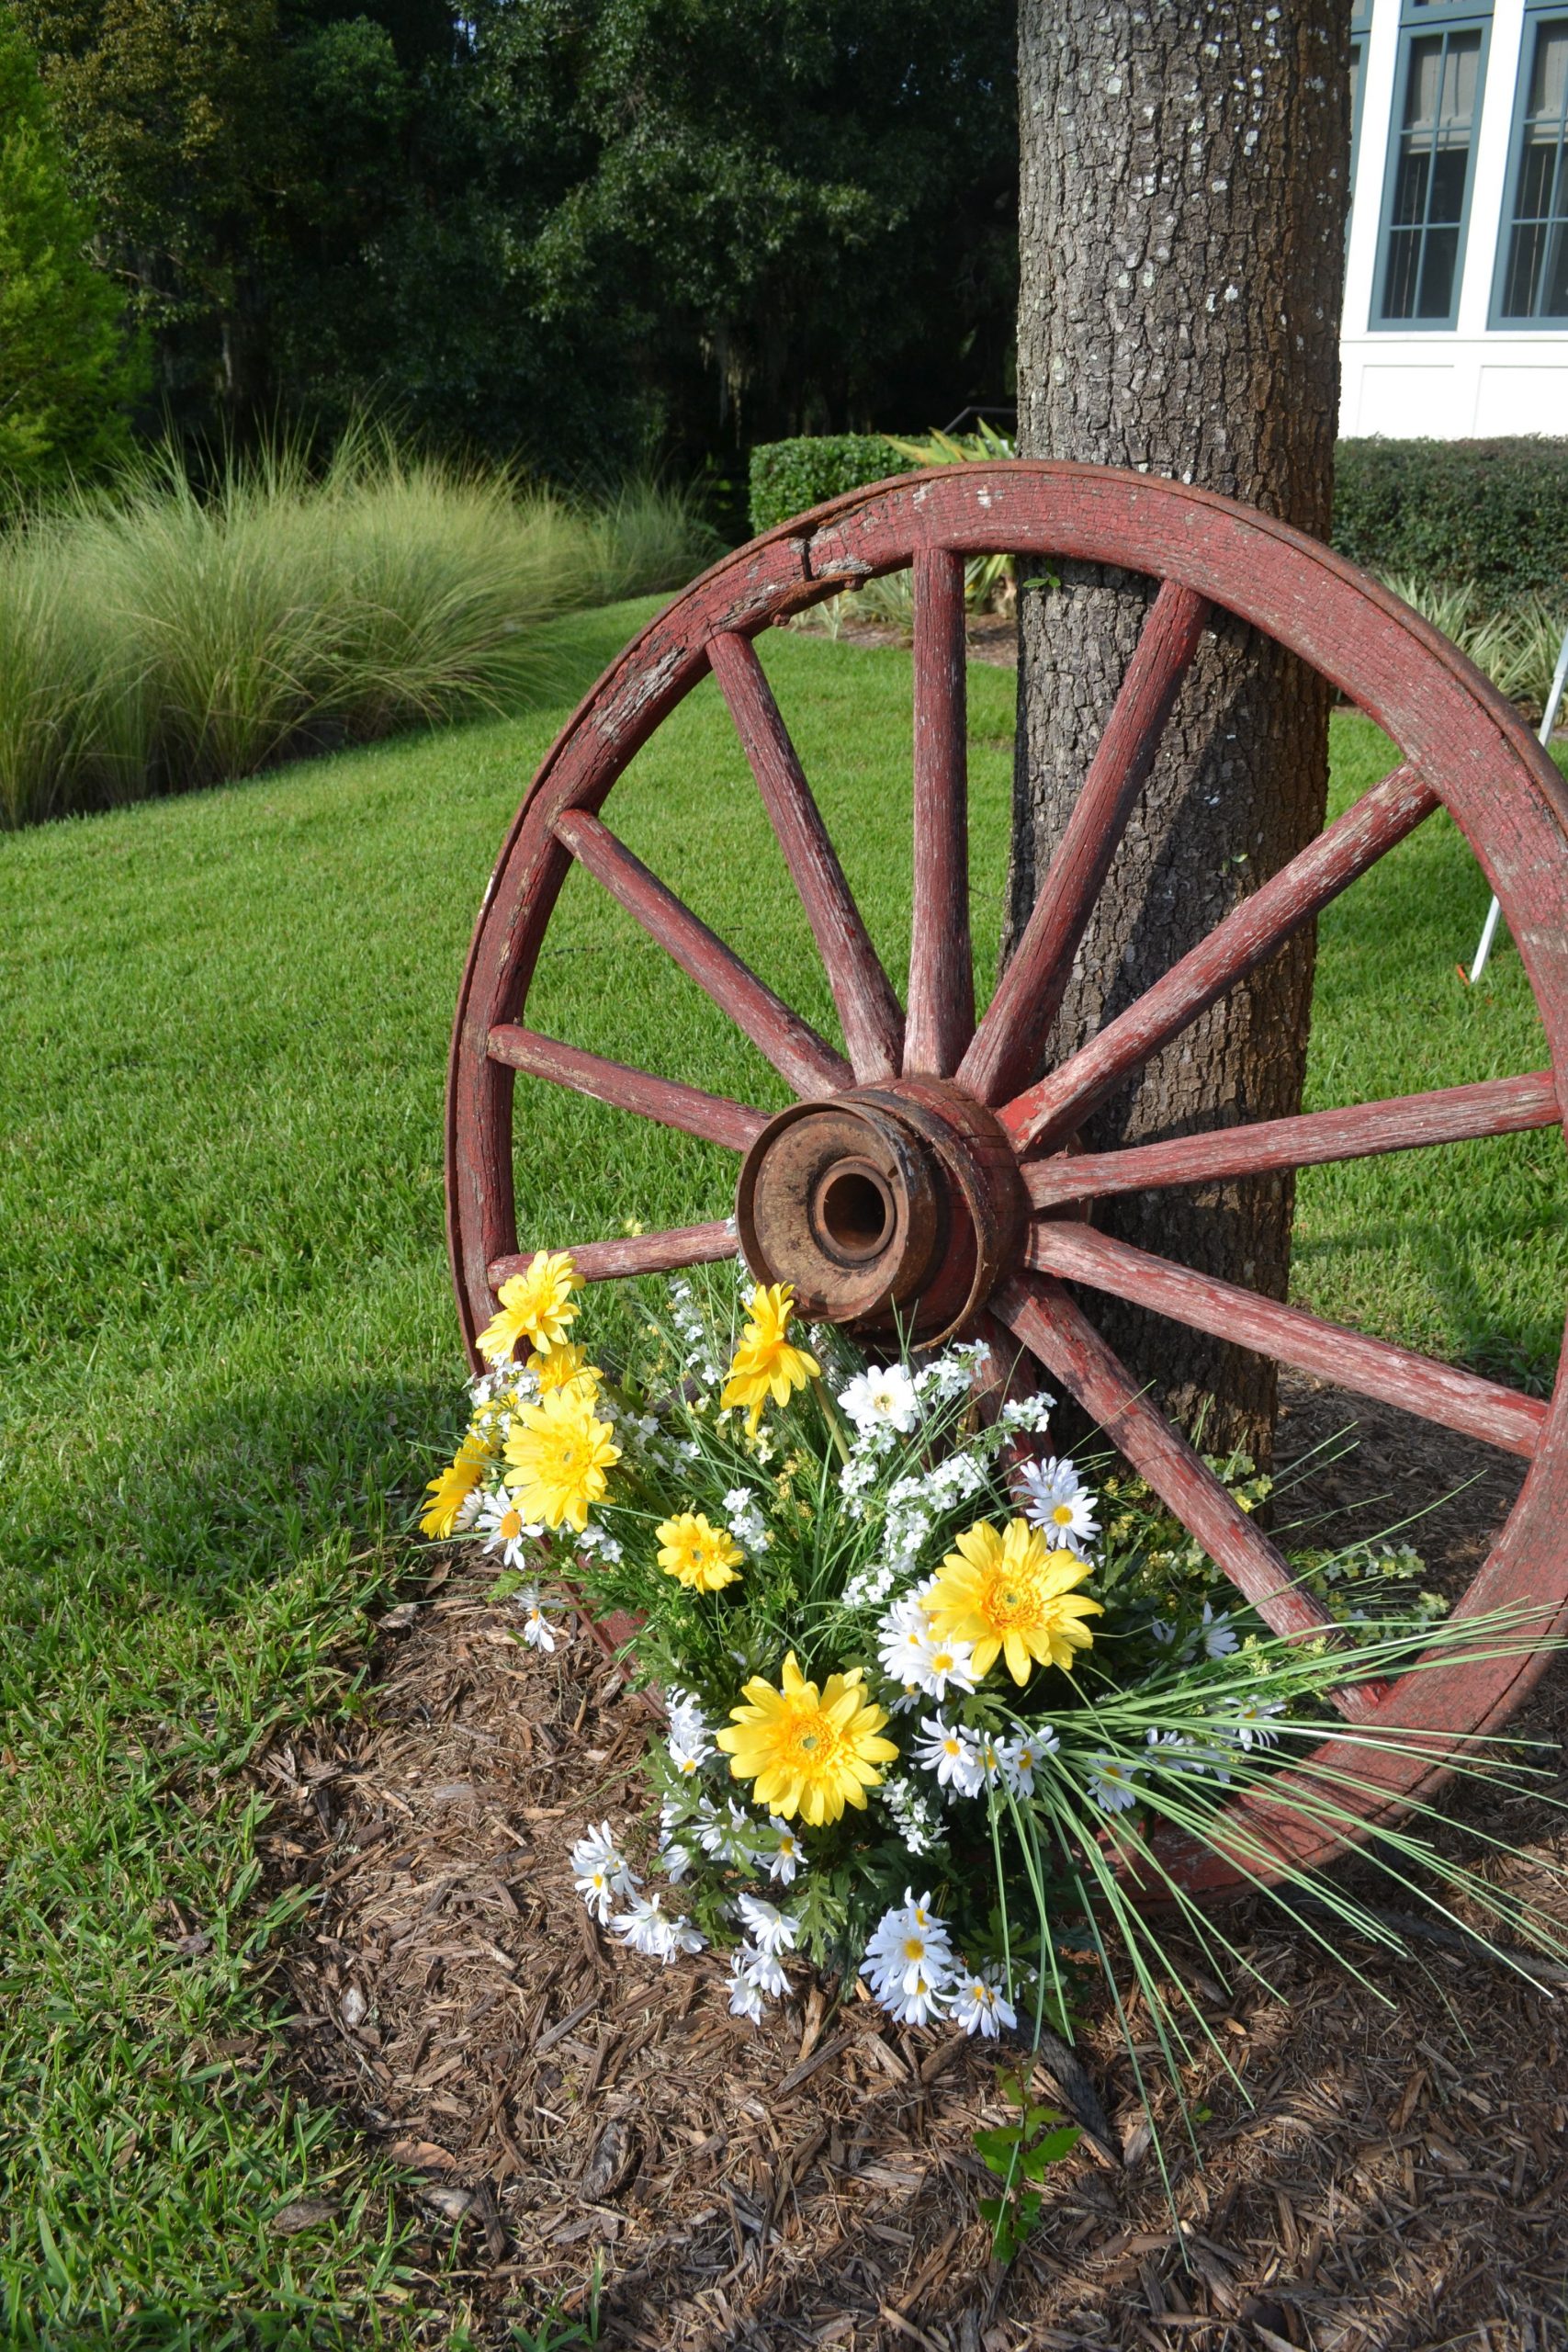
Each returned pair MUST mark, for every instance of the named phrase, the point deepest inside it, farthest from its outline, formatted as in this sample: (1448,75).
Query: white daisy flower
(901,1638)
(921,2001)
(646,1928)
(601,1870)
(1250,1721)
(726,1832)
(787,1858)
(949,1751)
(771,1930)
(884,1399)
(908,1947)
(1110,1783)
(745,1997)
(764,1970)
(537,1631)
(980,2006)
(1056,1500)
(1217,1633)
(689,1743)
(941,1667)
(673,1859)
(1022,1755)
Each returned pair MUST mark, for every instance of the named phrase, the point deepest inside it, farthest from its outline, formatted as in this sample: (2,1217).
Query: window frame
(1419,19)
(1537,16)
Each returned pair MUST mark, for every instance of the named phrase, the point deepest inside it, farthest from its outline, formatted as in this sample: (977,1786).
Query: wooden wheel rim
(1464,748)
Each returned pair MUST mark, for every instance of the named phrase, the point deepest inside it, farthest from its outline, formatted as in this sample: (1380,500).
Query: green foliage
(226,1320)
(1021,2155)
(69,373)
(539,225)
(1492,513)
(788,477)
(1517,646)
(168,639)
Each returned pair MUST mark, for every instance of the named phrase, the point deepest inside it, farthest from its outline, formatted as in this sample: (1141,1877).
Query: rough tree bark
(1182,205)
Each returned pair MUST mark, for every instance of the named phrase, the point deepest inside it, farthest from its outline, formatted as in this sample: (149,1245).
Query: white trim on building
(1403,378)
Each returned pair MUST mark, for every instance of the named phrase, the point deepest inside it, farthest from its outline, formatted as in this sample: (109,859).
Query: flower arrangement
(935,1699)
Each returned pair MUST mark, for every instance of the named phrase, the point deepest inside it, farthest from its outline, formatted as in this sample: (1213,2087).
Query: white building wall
(1469,378)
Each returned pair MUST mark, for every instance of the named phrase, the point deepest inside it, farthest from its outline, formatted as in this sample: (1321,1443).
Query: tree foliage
(68,372)
(576,228)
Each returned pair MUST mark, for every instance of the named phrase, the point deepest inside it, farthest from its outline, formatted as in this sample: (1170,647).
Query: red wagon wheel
(925,1173)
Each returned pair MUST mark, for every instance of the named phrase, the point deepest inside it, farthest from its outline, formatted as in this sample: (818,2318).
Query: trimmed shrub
(1492,514)
(789,476)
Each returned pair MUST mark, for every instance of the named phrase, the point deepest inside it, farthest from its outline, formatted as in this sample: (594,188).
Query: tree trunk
(1181,219)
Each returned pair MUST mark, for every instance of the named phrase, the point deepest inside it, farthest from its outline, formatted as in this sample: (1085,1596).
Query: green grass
(229,1358)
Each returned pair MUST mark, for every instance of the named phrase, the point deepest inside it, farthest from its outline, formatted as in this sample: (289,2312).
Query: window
(1533,278)
(1429,185)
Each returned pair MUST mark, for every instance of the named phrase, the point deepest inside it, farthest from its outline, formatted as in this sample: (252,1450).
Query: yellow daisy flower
(1011,1592)
(567,1368)
(765,1363)
(451,1490)
(535,1305)
(698,1555)
(809,1752)
(560,1454)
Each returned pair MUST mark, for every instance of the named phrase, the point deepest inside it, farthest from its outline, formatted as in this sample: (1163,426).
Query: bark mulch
(1367,2176)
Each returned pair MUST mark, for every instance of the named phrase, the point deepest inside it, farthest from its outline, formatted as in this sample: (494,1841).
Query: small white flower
(917,1818)
(950,1752)
(601,1870)
(597,1539)
(787,1857)
(1250,1721)
(1022,1755)
(1218,1635)
(882,1399)
(673,1859)
(689,1743)
(726,1832)
(537,1631)
(1110,1783)
(1030,1413)
(764,1970)
(743,1516)
(771,1930)
(1058,1500)
(908,1949)
(980,2006)
(901,1636)
(644,1926)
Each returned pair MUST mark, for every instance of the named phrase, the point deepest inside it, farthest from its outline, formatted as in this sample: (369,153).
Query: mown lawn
(229,1360)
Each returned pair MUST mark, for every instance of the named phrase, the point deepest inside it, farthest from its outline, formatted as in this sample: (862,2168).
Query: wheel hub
(889,1206)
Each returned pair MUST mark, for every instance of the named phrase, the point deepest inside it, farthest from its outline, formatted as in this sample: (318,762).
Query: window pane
(1535,276)
(1431,174)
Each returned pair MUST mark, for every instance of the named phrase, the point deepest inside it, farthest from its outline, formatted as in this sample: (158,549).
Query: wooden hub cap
(889,1207)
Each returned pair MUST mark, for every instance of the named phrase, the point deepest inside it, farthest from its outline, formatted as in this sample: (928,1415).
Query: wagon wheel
(926,1172)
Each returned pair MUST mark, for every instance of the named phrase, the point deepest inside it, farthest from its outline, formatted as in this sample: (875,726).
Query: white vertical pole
(1553,703)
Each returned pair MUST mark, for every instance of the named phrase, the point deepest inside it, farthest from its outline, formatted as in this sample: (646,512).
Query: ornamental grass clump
(942,1709)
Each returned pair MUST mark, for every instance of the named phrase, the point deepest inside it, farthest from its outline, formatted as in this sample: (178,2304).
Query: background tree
(1181,232)
(582,231)
(69,371)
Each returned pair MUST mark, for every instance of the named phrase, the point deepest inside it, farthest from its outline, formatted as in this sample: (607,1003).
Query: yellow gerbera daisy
(567,1368)
(535,1305)
(765,1363)
(809,1752)
(697,1554)
(1011,1592)
(451,1490)
(560,1454)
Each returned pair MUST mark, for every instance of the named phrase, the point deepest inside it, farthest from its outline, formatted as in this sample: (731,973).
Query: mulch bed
(1395,2177)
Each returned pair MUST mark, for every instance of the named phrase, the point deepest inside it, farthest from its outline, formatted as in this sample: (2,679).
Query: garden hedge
(1491,512)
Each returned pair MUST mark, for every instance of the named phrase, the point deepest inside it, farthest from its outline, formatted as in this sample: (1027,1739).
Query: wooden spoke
(1458,1400)
(1008,1045)
(1054,1328)
(713,1116)
(791,1045)
(1498,1106)
(942,975)
(640,1253)
(1047,1113)
(872,1016)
